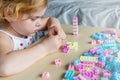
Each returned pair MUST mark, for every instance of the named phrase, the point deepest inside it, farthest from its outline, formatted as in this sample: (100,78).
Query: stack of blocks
(75,25)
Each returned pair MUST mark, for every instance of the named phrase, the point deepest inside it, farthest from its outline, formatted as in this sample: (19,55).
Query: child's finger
(53,31)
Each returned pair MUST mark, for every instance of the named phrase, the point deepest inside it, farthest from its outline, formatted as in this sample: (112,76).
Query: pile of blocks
(102,62)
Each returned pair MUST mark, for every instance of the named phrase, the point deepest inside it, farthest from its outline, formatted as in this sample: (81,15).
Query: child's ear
(7,15)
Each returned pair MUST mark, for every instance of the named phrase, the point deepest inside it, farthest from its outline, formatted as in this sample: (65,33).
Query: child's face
(28,25)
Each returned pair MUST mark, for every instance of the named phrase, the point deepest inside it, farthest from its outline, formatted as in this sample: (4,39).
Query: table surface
(47,63)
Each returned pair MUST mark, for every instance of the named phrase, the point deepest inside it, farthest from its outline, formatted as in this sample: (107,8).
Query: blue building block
(109,66)
(104,78)
(69,74)
(102,58)
(76,62)
(115,76)
(117,67)
(87,54)
(118,46)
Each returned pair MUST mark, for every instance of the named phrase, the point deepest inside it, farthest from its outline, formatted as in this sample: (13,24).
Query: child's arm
(12,62)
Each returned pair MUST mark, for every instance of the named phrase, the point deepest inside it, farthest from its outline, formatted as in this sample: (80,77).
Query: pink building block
(70,66)
(106,73)
(45,75)
(58,62)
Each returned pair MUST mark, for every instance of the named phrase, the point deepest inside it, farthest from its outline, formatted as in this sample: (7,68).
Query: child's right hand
(52,43)
(55,30)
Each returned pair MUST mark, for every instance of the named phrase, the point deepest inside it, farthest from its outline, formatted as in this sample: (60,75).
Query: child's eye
(33,19)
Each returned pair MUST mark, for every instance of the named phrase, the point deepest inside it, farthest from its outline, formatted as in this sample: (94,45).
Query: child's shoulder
(5,43)
(3,36)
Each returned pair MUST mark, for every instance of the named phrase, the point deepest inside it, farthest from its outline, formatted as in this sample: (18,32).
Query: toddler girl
(19,21)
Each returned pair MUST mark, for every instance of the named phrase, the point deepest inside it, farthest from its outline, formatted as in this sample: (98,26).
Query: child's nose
(38,23)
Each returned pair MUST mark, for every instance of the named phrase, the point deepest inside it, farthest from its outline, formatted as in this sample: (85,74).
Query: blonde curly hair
(19,7)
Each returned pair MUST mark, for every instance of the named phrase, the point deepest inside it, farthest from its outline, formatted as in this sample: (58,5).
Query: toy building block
(73,45)
(69,74)
(65,48)
(80,77)
(58,62)
(75,25)
(45,75)
(89,58)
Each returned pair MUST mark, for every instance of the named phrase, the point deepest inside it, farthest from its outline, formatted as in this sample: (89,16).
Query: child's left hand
(56,31)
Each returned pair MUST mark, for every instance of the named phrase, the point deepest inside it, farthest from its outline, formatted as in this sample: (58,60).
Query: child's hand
(52,43)
(57,31)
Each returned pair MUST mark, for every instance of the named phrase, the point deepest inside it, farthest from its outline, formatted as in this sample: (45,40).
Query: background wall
(96,13)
